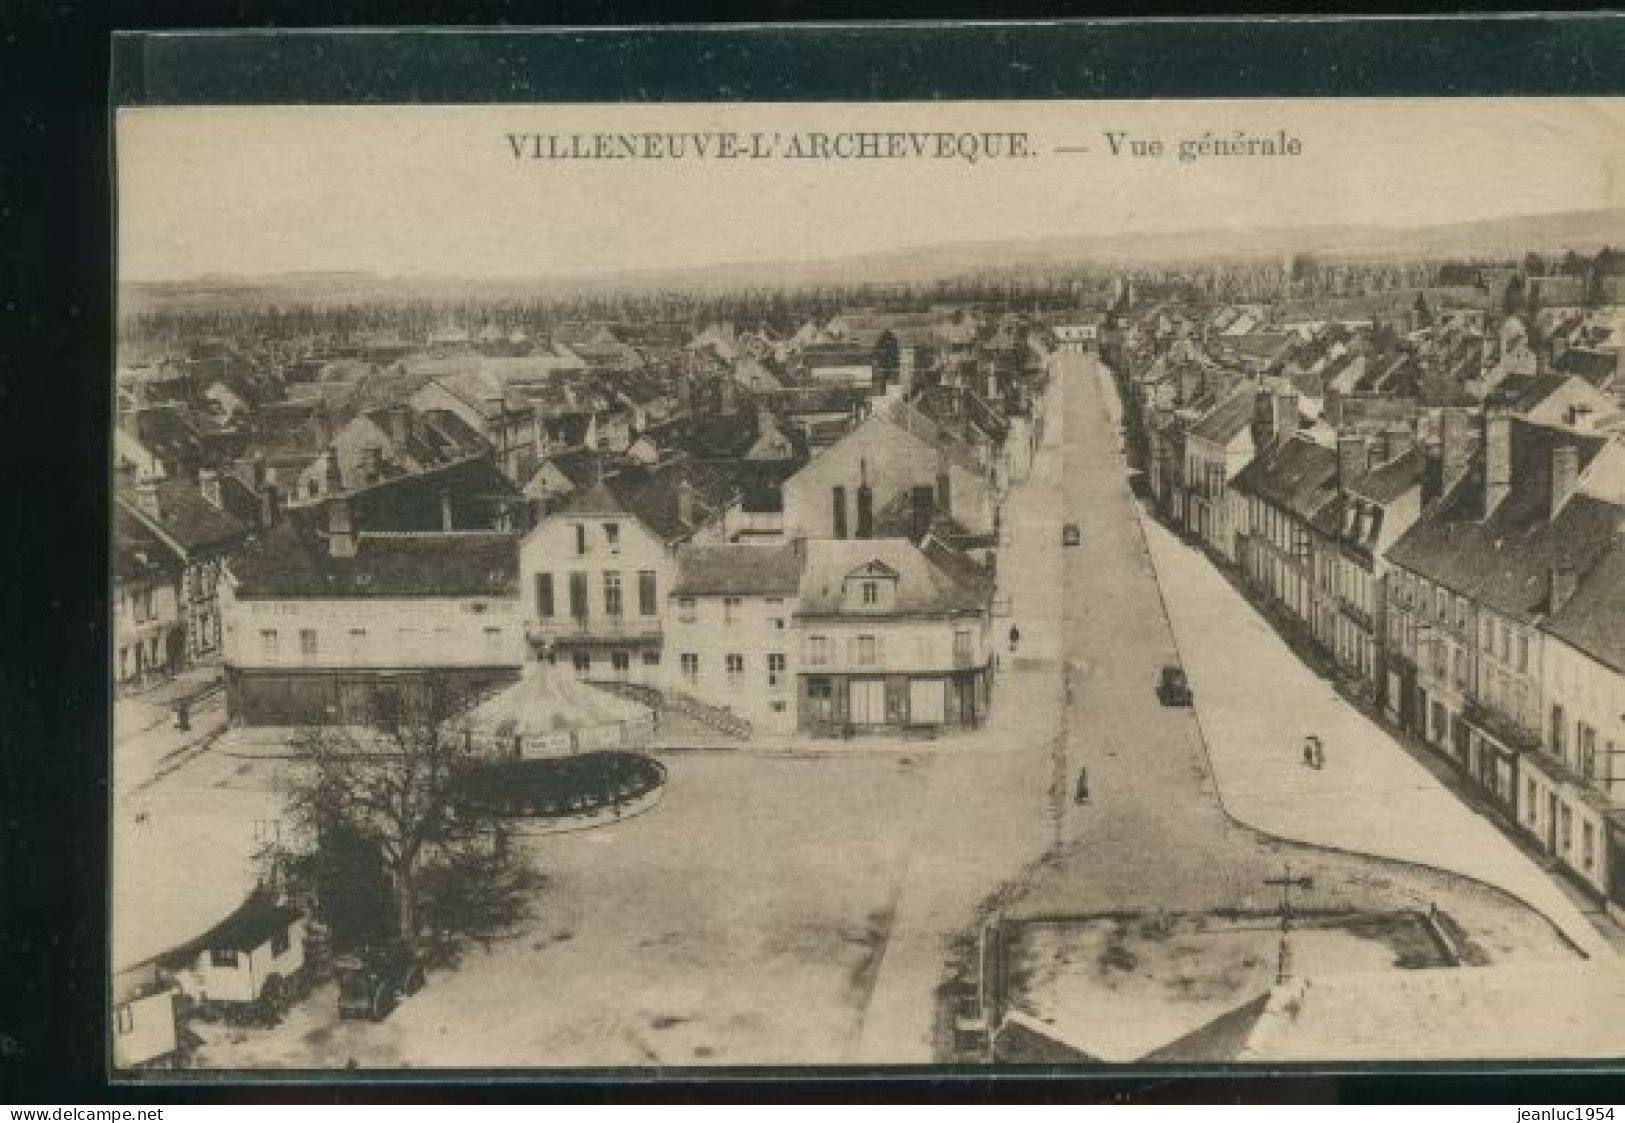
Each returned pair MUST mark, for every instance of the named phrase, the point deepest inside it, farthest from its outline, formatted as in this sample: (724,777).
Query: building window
(582,661)
(621,662)
(612,537)
(1529,799)
(1586,741)
(1566,830)
(268,643)
(817,650)
(223,957)
(730,610)
(818,688)
(648,603)
(1588,845)
(871,592)
(544,595)
(1559,747)
(775,669)
(581,538)
(612,593)
(307,641)
(651,658)
(1523,652)
(279,942)
(690,664)
(864,650)
(962,645)
(125,1015)
(578,596)
(736,668)
(685,610)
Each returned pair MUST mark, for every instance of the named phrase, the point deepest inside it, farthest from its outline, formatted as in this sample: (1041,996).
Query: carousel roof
(547,700)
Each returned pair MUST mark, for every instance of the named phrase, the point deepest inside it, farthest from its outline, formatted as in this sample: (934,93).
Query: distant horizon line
(632,272)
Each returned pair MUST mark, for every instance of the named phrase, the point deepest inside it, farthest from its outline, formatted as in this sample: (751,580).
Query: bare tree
(397,781)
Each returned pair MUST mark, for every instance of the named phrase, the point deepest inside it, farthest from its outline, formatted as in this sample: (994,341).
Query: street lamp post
(1287,883)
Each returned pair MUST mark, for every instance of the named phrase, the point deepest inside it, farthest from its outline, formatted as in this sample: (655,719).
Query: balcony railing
(607,629)
(1500,726)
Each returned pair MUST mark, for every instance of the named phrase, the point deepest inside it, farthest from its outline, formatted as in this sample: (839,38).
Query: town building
(893,637)
(149,639)
(201,524)
(595,577)
(729,635)
(1217,447)
(896,449)
(1473,581)
(324,621)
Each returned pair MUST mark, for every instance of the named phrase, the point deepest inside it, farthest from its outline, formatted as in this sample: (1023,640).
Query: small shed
(145,1034)
(255,949)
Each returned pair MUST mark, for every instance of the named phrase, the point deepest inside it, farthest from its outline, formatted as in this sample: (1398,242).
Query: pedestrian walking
(1320,753)
(1308,752)
(1082,793)
(1015,638)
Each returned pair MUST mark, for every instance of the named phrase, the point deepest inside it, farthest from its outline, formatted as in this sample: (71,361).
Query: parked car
(1070,536)
(372,982)
(1173,689)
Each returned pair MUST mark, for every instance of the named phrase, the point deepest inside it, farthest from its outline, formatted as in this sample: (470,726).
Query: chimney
(341,536)
(251,471)
(146,497)
(373,457)
(1432,472)
(866,502)
(1455,443)
(1562,583)
(1497,458)
(685,502)
(268,506)
(1286,415)
(1565,475)
(398,424)
(447,523)
(1353,458)
(922,510)
(333,480)
(945,493)
(1580,418)
(208,482)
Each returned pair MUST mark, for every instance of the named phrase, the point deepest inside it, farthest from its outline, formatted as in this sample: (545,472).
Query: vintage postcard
(1085,583)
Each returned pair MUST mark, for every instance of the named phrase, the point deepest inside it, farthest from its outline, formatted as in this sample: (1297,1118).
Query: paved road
(1155,834)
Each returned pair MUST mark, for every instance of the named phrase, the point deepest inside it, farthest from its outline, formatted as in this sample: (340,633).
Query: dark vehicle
(371,983)
(1173,689)
(1070,535)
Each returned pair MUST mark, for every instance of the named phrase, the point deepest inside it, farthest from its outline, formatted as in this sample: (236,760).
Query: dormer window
(870,588)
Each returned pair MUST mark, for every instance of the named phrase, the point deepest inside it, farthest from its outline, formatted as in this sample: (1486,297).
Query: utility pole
(1287,883)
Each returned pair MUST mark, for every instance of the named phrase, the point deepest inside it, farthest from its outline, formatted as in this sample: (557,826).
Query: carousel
(560,754)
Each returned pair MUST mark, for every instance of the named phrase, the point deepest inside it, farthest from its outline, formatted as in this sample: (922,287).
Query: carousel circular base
(567,793)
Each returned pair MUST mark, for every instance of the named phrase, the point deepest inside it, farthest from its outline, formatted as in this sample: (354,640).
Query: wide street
(1155,834)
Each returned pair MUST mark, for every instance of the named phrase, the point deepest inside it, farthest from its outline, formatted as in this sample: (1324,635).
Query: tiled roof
(293,562)
(138,555)
(167,431)
(923,586)
(1226,421)
(1505,560)
(738,570)
(1594,618)
(1388,482)
(251,925)
(1299,476)
(190,521)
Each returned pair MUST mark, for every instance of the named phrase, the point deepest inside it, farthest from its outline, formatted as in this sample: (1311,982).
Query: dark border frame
(56,284)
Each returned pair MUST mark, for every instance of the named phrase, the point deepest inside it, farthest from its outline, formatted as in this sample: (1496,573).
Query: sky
(437,191)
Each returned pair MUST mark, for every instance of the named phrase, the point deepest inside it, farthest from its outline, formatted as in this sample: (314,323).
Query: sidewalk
(1256,701)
